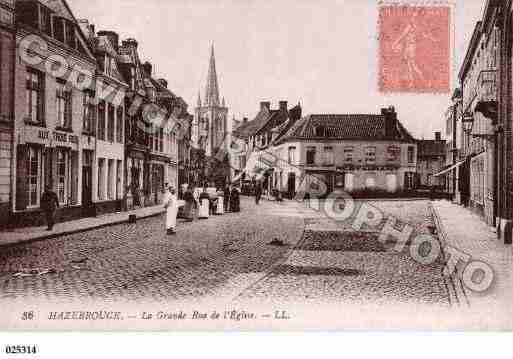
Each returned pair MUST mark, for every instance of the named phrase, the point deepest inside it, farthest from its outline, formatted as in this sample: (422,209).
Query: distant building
(329,152)
(253,138)
(349,152)
(431,159)
(210,129)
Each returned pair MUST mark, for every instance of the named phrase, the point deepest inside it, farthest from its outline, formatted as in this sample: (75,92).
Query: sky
(321,53)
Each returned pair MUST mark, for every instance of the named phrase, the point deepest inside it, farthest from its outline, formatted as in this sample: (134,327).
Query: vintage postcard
(247,165)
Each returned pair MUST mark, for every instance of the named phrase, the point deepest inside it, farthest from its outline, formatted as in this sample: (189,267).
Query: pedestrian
(258,192)
(171,206)
(204,200)
(235,200)
(49,205)
(190,203)
(226,198)
(220,202)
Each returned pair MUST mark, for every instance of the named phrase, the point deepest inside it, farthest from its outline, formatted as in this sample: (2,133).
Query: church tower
(210,116)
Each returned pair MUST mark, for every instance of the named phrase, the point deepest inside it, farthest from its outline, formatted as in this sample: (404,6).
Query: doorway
(87,183)
(291,185)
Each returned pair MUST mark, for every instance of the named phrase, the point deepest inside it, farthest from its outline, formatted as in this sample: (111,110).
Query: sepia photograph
(223,165)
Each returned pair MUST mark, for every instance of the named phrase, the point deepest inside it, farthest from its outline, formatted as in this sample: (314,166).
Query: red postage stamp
(414,49)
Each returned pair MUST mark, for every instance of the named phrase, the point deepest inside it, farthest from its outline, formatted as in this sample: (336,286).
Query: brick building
(52,82)
(7,46)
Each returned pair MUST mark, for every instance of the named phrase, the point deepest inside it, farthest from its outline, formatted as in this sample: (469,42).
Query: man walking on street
(49,204)
(258,192)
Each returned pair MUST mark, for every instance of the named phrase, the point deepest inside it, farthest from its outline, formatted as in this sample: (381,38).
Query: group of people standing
(197,203)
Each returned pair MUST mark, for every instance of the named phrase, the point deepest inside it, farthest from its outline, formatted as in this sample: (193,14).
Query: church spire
(199,100)
(212,89)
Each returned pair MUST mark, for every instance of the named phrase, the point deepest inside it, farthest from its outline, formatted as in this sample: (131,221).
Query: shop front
(47,158)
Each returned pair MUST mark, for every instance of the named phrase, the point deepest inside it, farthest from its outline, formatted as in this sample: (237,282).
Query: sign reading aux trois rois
(50,138)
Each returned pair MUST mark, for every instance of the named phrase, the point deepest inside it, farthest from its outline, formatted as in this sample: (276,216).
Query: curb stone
(454,284)
(76,231)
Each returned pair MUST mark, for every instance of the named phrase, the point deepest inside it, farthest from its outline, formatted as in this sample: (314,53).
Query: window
(348,153)
(320,131)
(292,155)
(34,94)
(101,179)
(393,153)
(310,155)
(411,154)
(89,112)
(329,159)
(119,124)
(161,140)
(33,173)
(63,99)
(101,120)
(370,155)
(45,20)
(71,40)
(62,175)
(58,28)
(110,123)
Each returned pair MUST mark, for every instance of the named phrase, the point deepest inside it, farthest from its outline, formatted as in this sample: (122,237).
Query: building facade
(478,77)
(321,154)
(152,112)
(352,153)
(431,159)
(504,128)
(53,81)
(7,51)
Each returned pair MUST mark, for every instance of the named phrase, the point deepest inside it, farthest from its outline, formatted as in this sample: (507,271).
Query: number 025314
(20,349)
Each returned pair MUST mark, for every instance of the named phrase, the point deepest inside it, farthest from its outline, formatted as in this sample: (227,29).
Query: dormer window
(71,39)
(320,131)
(45,20)
(58,28)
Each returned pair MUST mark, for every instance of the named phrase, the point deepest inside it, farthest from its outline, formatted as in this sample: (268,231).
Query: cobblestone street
(226,258)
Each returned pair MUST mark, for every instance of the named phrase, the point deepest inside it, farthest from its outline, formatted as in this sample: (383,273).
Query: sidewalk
(466,231)
(29,234)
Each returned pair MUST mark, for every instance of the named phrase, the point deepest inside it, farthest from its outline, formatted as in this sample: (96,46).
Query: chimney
(283,105)
(438,136)
(390,121)
(265,104)
(163,82)
(295,113)
(113,38)
(245,120)
(147,67)
(87,28)
(130,43)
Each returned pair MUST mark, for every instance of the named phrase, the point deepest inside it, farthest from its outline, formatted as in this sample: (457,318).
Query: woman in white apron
(171,206)
(204,200)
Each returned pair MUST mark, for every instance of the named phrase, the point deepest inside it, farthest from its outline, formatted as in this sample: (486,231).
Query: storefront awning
(448,169)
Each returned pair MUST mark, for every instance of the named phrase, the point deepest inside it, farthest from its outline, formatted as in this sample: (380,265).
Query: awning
(448,169)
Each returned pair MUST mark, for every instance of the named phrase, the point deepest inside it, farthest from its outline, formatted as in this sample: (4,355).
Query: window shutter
(21,177)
